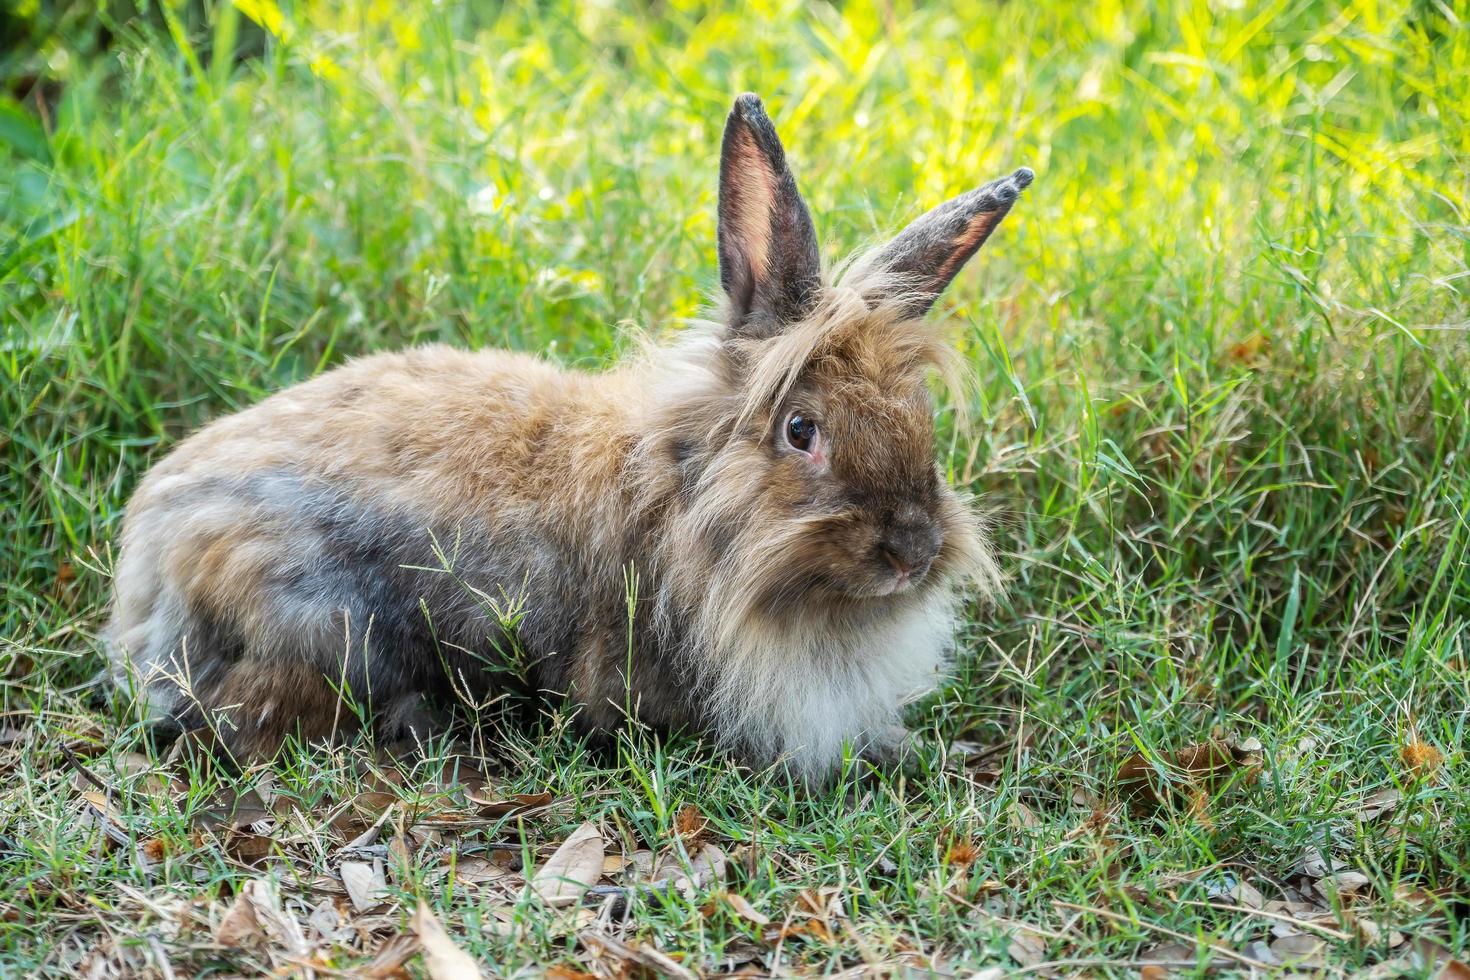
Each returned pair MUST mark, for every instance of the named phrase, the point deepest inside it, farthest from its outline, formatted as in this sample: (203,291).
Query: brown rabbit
(769,479)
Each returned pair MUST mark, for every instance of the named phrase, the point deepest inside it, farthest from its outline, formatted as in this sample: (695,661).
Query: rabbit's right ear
(770,266)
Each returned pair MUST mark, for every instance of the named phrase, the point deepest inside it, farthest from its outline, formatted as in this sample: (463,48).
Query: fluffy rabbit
(769,478)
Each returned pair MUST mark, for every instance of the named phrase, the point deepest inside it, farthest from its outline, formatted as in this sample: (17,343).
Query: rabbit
(741,532)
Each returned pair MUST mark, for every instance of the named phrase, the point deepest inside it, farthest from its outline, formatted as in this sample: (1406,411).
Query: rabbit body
(677,536)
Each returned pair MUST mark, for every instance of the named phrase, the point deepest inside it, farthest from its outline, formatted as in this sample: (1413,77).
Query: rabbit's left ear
(770,266)
(928,253)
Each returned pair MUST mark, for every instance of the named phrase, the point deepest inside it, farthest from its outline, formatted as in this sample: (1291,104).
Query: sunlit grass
(1221,410)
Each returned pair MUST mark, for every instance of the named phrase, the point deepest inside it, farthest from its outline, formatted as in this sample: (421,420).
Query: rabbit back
(370,533)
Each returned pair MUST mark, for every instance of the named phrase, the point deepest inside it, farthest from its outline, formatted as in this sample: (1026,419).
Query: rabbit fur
(764,484)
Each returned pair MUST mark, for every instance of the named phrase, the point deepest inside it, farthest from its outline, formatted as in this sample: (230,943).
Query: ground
(1217,723)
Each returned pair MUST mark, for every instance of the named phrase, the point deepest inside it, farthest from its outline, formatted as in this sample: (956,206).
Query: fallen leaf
(1299,950)
(1312,864)
(1026,947)
(509,805)
(248,848)
(228,810)
(1343,882)
(1375,805)
(1247,895)
(745,910)
(705,868)
(477,870)
(567,973)
(390,957)
(1454,970)
(442,959)
(636,954)
(1208,766)
(365,884)
(240,925)
(572,869)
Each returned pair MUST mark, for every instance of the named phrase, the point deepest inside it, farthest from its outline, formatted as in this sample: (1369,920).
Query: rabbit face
(858,453)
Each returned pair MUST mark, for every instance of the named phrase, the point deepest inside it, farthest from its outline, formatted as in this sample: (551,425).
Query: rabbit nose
(910,547)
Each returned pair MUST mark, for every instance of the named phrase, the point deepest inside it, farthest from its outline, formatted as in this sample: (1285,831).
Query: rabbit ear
(928,253)
(769,262)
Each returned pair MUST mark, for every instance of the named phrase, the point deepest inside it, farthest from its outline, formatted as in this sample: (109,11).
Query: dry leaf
(1209,766)
(365,884)
(1027,948)
(388,961)
(575,867)
(512,804)
(567,973)
(246,847)
(745,910)
(477,870)
(1343,882)
(1299,950)
(227,810)
(442,959)
(705,868)
(1247,895)
(1454,970)
(636,954)
(1377,804)
(240,924)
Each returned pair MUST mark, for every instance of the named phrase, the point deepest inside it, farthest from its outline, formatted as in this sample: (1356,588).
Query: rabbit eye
(801,432)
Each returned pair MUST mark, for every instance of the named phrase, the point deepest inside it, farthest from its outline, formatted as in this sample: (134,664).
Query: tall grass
(1221,345)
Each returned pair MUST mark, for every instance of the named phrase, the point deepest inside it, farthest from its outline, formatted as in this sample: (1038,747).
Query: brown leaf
(1343,882)
(365,884)
(1377,804)
(567,973)
(247,847)
(240,925)
(388,961)
(442,959)
(511,804)
(705,868)
(477,870)
(1299,950)
(1208,766)
(1454,970)
(741,907)
(636,955)
(228,810)
(572,869)
(1026,947)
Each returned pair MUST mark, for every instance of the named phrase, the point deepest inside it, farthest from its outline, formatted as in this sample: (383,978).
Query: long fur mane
(787,678)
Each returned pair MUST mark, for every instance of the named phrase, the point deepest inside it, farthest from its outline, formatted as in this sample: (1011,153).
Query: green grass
(1221,410)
